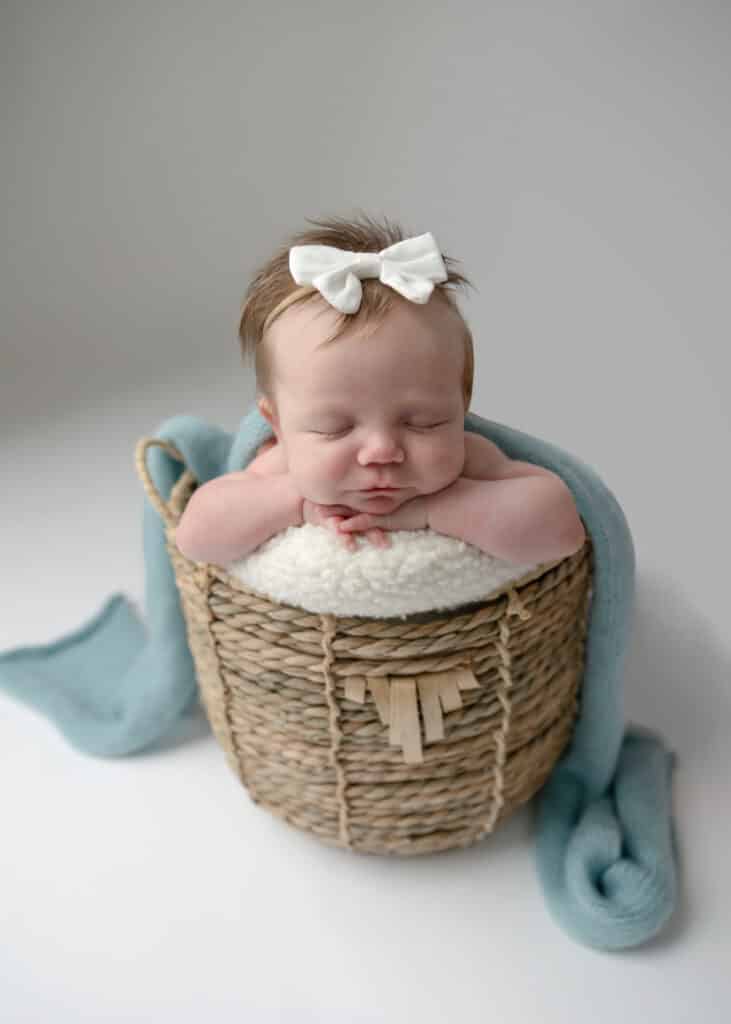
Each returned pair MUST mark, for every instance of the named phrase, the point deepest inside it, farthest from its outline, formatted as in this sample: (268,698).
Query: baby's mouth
(374,497)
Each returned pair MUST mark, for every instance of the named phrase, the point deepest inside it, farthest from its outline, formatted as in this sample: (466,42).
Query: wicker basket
(403,735)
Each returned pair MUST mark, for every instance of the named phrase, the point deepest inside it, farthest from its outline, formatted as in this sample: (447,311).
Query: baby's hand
(412,515)
(333,516)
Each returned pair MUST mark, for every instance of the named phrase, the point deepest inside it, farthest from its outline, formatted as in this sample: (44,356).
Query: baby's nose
(381,449)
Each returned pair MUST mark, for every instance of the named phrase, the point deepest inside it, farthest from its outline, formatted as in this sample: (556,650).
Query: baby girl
(364,373)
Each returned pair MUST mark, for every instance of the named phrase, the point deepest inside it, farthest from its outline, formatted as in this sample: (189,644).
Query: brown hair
(273,284)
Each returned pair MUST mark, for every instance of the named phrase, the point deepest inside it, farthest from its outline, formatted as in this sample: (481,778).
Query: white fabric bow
(411,267)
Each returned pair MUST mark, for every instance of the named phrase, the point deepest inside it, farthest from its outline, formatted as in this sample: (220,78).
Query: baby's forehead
(415,349)
(317,319)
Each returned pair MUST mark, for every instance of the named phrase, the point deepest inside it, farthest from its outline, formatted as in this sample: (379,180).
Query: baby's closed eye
(342,431)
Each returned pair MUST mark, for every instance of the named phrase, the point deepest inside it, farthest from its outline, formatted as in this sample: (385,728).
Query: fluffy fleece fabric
(309,567)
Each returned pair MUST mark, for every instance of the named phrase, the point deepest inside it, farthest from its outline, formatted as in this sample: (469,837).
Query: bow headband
(411,267)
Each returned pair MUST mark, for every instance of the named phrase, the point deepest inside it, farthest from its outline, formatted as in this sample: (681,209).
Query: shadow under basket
(393,736)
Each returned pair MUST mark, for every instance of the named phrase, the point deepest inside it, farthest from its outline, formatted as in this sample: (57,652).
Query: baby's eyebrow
(424,405)
(328,408)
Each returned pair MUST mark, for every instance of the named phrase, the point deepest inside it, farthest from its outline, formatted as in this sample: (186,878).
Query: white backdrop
(576,159)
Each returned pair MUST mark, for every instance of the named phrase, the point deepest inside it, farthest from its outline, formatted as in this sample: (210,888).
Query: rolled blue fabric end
(94,683)
(608,865)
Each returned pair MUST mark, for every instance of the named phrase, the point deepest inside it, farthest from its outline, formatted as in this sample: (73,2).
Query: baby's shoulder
(269,460)
(484,460)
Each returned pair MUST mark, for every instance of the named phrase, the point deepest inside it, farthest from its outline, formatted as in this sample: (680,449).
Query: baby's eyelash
(427,426)
(336,433)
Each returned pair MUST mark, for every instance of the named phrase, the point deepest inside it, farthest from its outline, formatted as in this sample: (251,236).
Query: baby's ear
(266,410)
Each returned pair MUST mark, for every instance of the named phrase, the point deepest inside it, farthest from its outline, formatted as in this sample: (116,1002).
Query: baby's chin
(378,503)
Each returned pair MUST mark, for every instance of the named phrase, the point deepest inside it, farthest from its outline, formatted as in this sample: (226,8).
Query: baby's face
(370,409)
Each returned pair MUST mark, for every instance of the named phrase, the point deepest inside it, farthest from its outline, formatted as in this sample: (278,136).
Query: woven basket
(403,735)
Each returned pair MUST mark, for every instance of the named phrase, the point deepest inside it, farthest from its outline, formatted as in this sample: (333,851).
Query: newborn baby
(368,414)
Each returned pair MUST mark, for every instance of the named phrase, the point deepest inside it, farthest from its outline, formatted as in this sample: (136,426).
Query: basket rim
(187,480)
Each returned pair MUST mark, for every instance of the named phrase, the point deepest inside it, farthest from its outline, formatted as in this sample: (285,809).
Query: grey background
(576,159)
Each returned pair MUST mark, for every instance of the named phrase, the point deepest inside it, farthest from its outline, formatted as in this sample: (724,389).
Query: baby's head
(373,398)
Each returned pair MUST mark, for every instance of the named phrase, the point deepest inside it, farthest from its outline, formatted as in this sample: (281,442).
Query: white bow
(411,267)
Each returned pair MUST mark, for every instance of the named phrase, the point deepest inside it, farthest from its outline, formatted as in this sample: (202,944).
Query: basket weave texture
(399,736)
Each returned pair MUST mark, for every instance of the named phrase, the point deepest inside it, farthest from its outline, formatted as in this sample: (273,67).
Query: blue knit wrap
(606,848)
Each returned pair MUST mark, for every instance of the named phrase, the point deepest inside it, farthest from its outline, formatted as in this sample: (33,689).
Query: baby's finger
(377,537)
(333,524)
(357,524)
(335,510)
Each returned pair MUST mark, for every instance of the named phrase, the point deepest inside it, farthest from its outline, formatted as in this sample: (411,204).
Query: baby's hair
(273,284)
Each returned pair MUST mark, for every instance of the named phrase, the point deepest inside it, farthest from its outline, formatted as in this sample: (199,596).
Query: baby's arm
(514,510)
(231,515)
(519,520)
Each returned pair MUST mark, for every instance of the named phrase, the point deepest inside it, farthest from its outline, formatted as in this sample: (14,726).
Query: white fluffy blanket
(307,566)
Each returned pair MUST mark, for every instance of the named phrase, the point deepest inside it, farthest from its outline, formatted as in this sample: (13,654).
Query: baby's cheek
(334,465)
(318,475)
(447,459)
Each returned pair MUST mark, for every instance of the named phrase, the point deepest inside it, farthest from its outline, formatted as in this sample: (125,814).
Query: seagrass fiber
(399,736)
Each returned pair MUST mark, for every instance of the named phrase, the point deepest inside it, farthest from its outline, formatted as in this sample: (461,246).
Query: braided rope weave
(291,698)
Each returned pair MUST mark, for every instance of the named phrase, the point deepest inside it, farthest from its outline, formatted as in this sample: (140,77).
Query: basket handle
(144,474)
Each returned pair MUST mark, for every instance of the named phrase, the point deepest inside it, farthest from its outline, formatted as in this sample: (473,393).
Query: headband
(411,267)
